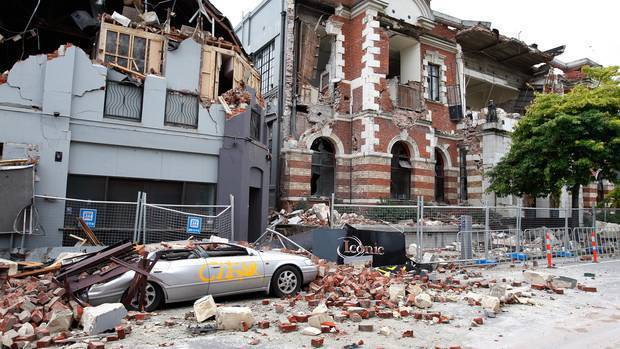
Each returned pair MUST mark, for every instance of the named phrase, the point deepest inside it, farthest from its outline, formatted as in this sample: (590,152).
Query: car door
(235,269)
(184,278)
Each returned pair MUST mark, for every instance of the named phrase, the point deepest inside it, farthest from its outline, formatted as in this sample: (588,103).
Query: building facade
(154,118)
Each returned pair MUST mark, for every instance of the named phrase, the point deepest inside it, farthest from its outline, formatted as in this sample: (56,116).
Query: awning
(503,49)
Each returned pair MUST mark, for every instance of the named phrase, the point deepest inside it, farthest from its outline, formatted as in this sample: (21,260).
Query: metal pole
(331,210)
(135,222)
(144,219)
(486,230)
(21,246)
(420,229)
(519,232)
(568,211)
(232,217)
(594,218)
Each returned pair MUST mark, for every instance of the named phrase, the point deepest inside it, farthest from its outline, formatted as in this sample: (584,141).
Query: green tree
(563,140)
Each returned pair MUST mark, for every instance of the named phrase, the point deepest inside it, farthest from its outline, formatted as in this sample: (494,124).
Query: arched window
(323,163)
(439,177)
(400,180)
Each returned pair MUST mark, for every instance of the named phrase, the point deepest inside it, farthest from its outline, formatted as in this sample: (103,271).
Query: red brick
(111,338)
(263,324)
(96,345)
(478,320)
(316,342)
(539,287)
(284,327)
(265,301)
(120,331)
(408,334)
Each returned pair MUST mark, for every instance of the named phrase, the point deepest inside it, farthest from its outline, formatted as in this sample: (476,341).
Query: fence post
(486,230)
(519,232)
(331,210)
(566,228)
(144,219)
(135,223)
(232,217)
(420,213)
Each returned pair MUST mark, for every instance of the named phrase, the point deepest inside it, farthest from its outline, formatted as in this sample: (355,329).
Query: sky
(588,29)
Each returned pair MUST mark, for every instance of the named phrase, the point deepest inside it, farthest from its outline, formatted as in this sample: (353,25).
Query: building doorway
(439,177)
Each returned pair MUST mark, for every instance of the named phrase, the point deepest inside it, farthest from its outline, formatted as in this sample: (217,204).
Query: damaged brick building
(374,100)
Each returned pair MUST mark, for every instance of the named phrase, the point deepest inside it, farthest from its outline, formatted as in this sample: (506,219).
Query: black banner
(385,247)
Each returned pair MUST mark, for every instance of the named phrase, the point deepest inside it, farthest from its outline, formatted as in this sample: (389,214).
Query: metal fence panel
(180,222)
(110,221)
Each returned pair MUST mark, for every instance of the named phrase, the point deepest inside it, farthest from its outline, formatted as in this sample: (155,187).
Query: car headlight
(308,262)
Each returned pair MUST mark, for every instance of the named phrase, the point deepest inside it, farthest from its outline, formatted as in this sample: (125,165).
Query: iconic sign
(353,247)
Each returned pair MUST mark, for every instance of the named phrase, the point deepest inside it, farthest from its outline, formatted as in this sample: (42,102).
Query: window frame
(434,82)
(122,117)
(265,67)
(180,124)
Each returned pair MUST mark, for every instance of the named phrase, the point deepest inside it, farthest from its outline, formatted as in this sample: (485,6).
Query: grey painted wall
(57,105)
(243,164)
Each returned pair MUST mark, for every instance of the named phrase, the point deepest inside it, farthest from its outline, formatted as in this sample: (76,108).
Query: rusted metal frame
(138,283)
(77,284)
(89,233)
(97,258)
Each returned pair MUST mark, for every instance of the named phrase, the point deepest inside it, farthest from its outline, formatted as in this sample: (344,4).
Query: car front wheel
(153,298)
(286,281)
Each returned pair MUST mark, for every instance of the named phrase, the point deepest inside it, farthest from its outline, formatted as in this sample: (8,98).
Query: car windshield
(222,250)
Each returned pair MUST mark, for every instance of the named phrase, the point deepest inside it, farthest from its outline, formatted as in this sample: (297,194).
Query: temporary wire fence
(139,221)
(492,234)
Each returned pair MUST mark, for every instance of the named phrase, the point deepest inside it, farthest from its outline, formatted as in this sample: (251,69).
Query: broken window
(323,164)
(123,100)
(130,49)
(226,73)
(263,61)
(255,125)
(181,109)
(400,180)
(433,81)
(455,107)
(463,172)
(439,177)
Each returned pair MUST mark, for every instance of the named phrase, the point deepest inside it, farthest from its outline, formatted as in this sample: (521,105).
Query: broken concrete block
(7,338)
(204,308)
(103,317)
(385,331)
(415,290)
(231,318)
(311,331)
(423,301)
(321,211)
(498,291)
(490,303)
(60,321)
(396,292)
(12,266)
(316,342)
(535,277)
(563,282)
(320,309)
(26,330)
(316,320)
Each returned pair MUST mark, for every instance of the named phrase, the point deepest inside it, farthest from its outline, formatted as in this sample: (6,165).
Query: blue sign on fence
(89,216)
(194,225)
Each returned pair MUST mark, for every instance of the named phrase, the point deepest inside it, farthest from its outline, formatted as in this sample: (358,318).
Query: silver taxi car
(212,268)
